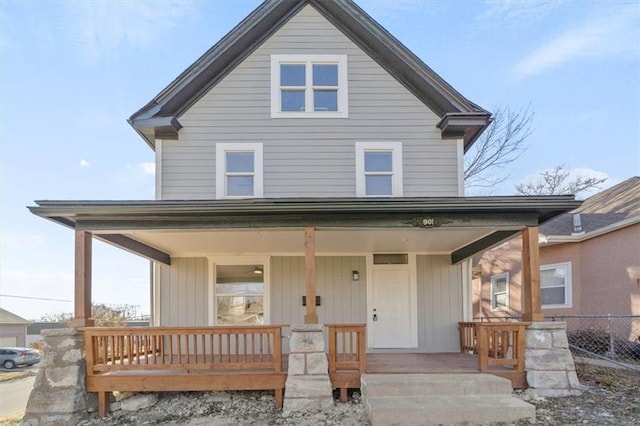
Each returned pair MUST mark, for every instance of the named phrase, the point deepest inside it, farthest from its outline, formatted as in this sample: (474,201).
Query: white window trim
(567,288)
(265,261)
(221,167)
(396,181)
(308,60)
(495,278)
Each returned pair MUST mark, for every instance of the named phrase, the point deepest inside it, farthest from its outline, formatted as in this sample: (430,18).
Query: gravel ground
(610,397)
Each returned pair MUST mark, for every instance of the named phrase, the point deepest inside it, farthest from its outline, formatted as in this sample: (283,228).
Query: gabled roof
(460,118)
(7,317)
(602,212)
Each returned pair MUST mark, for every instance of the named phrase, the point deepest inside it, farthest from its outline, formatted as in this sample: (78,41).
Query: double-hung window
(555,285)
(239,170)
(500,292)
(309,86)
(378,169)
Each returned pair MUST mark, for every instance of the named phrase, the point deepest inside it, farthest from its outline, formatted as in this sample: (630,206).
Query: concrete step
(374,385)
(446,410)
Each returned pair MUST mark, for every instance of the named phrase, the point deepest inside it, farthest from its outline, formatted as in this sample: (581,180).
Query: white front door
(390,319)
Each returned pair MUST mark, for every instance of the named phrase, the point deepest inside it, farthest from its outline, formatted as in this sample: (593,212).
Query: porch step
(433,384)
(431,399)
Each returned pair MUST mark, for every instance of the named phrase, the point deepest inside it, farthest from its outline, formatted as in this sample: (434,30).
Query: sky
(72,72)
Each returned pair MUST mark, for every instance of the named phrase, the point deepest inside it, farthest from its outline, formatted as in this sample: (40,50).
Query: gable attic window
(238,170)
(378,169)
(309,86)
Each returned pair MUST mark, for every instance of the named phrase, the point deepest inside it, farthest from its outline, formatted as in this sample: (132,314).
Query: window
(238,170)
(500,292)
(309,86)
(555,285)
(391,259)
(378,169)
(239,294)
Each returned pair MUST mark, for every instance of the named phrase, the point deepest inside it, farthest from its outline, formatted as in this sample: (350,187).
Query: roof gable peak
(460,118)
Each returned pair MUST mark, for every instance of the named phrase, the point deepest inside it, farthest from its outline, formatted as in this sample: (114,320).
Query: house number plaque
(429,222)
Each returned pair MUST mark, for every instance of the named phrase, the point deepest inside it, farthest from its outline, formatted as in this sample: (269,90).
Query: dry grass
(618,380)
(5,376)
(11,420)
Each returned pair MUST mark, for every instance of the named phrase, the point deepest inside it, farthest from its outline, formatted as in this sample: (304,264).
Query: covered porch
(447,230)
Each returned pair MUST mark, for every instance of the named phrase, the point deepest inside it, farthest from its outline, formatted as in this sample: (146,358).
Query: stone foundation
(308,385)
(59,396)
(548,361)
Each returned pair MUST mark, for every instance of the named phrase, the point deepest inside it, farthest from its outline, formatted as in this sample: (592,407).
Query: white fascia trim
(467,290)
(568,295)
(258,185)
(558,239)
(397,179)
(308,60)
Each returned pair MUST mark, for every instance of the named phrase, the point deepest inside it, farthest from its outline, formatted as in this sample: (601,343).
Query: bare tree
(501,144)
(558,181)
(104,315)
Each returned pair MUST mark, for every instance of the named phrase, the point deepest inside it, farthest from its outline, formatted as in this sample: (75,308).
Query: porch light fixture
(355,275)
(258,270)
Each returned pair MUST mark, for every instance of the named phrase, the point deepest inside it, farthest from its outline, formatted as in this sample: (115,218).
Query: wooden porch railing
(184,358)
(468,337)
(499,344)
(347,356)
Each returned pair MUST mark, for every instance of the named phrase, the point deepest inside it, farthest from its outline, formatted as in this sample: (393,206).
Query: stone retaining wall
(548,361)
(59,395)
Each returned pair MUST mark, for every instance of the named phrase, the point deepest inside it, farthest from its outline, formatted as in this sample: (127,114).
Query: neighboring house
(589,261)
(309,153)
(13,329)
(35,328)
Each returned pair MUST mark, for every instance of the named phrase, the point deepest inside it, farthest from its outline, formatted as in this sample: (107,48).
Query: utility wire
(35,298)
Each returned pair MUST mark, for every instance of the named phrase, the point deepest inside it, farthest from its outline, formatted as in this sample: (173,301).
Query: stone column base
(308,386)
(548,361)
(59,395)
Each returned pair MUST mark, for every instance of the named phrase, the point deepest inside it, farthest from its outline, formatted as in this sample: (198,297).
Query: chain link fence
(614,337)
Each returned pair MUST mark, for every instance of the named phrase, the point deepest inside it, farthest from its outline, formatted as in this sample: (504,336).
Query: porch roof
(135,225)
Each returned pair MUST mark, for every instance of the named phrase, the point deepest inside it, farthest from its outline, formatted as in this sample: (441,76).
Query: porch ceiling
(291,241)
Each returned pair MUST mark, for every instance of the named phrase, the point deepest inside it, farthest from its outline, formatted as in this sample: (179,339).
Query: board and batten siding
(184,298)
(184,294)
(439,304)
(305,156)
(182,289)
(343,301)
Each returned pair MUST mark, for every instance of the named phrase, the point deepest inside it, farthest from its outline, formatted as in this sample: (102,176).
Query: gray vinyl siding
(308,157)
(183,292)
(439,304)
(343,301)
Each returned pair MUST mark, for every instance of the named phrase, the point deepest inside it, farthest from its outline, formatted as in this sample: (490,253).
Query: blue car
(13,357)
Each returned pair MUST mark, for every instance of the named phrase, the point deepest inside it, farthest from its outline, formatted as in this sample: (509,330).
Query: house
(13,329)
(589,261)
(35,328)
(308,156)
